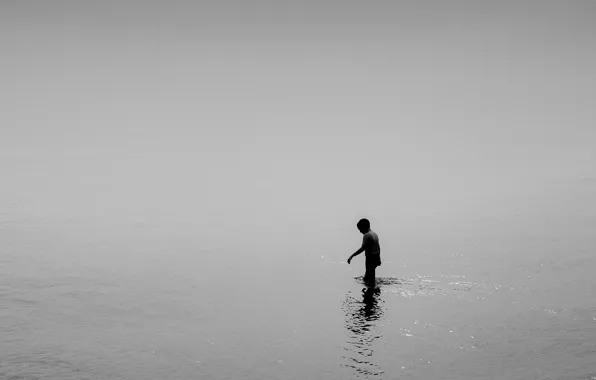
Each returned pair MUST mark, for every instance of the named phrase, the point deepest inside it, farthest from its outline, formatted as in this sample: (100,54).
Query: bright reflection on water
(362,317)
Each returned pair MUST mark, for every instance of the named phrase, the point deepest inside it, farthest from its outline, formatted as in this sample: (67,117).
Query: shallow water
(95,307)
(181,183)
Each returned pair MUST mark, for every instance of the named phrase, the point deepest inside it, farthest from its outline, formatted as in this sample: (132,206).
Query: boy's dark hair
(363,224)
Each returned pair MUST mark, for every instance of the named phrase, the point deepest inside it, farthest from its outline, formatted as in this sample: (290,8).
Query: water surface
(81,303)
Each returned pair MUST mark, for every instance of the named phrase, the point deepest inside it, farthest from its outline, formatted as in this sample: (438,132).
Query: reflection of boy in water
(372,249)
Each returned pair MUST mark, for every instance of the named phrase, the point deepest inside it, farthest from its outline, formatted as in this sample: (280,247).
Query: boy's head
(363,225)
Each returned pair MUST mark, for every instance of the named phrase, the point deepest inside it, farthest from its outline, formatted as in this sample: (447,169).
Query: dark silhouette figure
(371,249)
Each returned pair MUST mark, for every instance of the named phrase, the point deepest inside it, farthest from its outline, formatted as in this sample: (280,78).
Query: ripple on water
(362,325)
(404,287)
(457,286)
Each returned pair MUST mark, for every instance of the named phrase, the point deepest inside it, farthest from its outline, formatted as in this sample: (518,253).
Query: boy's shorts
(373,261)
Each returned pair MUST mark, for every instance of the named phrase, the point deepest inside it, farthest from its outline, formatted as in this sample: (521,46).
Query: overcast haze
(181,182)
(262,116)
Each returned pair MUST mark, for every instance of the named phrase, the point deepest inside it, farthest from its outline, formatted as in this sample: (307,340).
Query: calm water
(181,183)
(512,296)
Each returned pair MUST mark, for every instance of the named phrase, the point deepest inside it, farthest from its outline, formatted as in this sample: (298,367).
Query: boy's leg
(369,275)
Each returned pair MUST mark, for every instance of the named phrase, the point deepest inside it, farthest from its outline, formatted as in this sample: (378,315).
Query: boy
(372,249)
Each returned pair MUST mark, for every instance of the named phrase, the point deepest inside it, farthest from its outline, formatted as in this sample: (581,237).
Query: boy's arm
(359,251)
(355,254)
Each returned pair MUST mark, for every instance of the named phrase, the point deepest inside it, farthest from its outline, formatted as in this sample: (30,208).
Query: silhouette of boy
(371,249)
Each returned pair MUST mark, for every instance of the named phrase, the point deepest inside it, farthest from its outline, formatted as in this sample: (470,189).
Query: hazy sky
(259,115)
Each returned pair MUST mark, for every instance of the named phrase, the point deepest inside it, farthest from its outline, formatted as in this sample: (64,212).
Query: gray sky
(248,115)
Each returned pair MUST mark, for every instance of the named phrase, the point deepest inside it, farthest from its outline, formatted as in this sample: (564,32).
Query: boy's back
(370,242)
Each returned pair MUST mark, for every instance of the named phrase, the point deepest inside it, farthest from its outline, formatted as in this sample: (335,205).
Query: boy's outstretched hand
(356,254)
